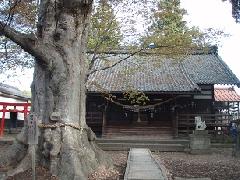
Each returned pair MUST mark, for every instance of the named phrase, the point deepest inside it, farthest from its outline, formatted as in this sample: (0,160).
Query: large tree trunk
(68,150)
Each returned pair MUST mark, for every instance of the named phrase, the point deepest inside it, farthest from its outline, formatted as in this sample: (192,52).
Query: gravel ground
(220,165)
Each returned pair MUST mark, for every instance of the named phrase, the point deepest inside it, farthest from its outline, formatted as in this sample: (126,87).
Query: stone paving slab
(142,166)
(179,178)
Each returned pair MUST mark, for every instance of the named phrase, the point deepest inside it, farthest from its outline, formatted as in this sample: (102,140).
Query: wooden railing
(216,123)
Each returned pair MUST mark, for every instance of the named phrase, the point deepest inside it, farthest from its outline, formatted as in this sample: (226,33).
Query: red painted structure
(25,111)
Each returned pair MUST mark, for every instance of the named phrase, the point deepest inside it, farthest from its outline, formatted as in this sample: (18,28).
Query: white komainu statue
(200,125)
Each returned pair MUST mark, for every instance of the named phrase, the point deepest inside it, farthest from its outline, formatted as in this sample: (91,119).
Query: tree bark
(59,87)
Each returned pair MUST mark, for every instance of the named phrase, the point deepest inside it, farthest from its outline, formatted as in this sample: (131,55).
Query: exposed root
(24,165)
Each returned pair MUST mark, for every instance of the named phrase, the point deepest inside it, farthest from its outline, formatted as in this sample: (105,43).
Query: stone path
(142,166)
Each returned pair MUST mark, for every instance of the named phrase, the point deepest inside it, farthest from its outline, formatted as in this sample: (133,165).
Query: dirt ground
(120,163)
(220,165)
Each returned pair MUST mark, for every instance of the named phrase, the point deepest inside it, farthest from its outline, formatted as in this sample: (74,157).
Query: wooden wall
(163,115)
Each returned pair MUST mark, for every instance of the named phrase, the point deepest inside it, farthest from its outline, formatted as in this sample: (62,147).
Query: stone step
(12,131)
(138,133)
(129,131)
(149,141)
(146,131)
(6,140)
(141,136)
(152,147)
(138,127)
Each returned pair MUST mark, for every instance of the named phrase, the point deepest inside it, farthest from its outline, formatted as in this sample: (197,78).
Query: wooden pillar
(176,124)
(3,120)
(25,112)
(238,111)
(228,107)
(188,124)
(138,118)
(104,121)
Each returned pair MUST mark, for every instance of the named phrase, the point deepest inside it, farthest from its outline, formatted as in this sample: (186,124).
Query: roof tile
(157,73)
(226,95)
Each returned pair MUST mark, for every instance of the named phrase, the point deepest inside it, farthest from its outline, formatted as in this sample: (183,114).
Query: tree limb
(27,42)
(17,37)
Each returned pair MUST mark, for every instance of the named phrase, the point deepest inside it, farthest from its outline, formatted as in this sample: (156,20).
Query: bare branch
(21,39)
(5,48)
(11,11)
(27,42)
(114,64)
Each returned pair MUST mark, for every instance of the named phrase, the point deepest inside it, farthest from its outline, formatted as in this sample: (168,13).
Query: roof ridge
(148,51)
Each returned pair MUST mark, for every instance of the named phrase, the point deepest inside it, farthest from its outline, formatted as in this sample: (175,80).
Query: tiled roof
(10,90)
(209,69)
(153,73)
(226,95)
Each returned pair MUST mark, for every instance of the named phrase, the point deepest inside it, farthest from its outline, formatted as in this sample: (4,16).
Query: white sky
(202,13)
(217,14)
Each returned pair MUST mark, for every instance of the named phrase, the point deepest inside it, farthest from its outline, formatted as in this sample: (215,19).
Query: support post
(238,111)
(3,120)
(188,124)
(25,112)
(228,107)
(176,125)
(139,118)
(33,140)
(104,120)
(33,152)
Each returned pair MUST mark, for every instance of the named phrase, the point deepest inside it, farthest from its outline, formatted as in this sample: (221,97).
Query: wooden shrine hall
(176,90)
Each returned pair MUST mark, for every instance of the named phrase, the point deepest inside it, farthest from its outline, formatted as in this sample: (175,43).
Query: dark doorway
(13,120)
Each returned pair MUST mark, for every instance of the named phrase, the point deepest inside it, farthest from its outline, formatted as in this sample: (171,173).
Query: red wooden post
(3,120)
(25,112)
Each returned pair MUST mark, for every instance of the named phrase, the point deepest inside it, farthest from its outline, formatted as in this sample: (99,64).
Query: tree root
(66,152)
(24,165)
(80,155)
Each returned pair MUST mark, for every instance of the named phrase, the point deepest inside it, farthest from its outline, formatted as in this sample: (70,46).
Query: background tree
(104,32)
(235,9)
(168,31)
